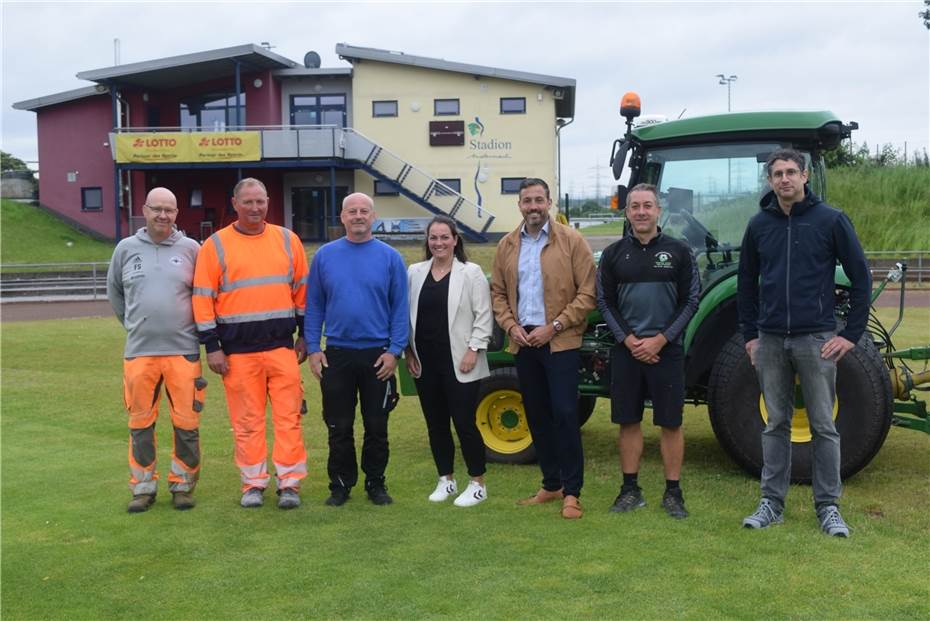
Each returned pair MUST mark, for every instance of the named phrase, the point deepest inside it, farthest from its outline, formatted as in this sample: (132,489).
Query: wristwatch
(474,349)
(557,325)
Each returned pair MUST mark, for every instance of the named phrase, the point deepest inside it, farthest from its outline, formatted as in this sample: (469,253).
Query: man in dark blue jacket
(786,310)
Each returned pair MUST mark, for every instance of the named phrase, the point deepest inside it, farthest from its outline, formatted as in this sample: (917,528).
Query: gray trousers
(778,359)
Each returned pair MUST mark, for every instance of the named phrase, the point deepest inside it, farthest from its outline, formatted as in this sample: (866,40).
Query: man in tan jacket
(542,289)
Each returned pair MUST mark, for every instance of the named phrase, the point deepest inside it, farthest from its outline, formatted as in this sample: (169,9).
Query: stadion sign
(186,147)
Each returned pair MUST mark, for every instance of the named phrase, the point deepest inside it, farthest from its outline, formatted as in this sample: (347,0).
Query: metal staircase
(415,184)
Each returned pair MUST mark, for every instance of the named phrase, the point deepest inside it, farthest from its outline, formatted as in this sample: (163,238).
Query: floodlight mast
(729,83)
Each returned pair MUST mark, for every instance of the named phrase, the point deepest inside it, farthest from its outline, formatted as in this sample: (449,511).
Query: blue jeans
(778,359)
(549,386)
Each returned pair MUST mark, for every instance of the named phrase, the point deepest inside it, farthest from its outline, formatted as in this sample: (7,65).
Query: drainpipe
(559,124)
(117,173)
(238,95)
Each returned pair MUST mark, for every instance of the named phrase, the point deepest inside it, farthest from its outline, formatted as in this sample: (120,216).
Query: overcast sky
(866,61)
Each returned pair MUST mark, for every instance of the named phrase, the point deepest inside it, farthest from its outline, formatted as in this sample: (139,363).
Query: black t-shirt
(432,327)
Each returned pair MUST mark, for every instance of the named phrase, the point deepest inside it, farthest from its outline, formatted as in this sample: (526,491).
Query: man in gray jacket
(149,286)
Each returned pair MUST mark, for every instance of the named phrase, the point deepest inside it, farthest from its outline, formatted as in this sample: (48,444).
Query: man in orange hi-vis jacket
(249,296)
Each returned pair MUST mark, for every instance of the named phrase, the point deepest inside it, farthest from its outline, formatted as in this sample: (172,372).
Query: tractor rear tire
(865,405)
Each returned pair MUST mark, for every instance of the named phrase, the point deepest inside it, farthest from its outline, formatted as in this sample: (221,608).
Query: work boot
(252,498)
(182,501)
(288,498)
(337,497)
(378,495)
(140,503)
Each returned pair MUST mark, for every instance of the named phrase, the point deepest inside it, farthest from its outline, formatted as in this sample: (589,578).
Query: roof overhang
(187,69)
(563,88)
(59,98)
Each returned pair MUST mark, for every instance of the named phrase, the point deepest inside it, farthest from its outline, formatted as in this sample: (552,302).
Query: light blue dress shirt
(531,307)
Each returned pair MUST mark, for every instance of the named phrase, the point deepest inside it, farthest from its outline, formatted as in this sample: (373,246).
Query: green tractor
(710,175)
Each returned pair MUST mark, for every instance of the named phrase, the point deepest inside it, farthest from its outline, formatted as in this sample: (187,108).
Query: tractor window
(709,192)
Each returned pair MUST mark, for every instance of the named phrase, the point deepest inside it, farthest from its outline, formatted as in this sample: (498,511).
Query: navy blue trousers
(549,385)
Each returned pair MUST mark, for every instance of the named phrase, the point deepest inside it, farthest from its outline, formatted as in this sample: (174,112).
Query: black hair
(786,155)
(529,181)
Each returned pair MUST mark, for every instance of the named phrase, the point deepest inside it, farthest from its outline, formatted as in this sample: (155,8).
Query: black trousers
(350,378)
(549,386)
(443,397)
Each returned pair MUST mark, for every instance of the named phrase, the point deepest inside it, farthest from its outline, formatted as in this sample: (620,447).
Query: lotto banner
(226,147)
(188,147)
(154,148)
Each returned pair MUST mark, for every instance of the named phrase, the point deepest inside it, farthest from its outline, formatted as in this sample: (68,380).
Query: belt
(529,329)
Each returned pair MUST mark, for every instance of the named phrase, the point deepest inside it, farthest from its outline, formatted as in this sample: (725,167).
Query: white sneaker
(444,488)
(473,494)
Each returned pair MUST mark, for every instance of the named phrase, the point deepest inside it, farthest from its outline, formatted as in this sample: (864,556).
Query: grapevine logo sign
(162,147)
(486,147)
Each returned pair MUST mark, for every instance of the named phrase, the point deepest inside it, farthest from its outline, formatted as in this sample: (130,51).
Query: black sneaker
(379,495)
(337,497)
(674,504)
(628,500)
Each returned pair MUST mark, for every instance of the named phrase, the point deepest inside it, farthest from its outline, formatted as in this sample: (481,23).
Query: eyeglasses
(162,211)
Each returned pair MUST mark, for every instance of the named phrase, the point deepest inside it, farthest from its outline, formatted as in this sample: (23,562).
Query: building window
(385,188)
(384,108)
(513,105)
(91,199)
(446,107)
(318,110)
(196,201)
(511,185)
(454,184)
(212,112)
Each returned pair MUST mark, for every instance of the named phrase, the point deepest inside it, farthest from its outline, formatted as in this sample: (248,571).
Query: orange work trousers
(143,378)
(252,379)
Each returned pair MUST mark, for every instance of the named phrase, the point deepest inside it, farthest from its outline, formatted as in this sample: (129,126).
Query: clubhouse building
(422,135)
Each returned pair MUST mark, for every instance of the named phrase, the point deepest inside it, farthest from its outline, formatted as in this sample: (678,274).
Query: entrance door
(309,207)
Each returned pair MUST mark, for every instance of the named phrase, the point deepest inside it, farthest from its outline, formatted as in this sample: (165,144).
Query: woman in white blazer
(450,326)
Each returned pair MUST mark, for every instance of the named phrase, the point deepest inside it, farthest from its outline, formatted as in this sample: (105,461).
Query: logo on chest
(663,260)
(176,261)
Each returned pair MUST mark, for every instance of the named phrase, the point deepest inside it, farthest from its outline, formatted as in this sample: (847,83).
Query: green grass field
(69,550)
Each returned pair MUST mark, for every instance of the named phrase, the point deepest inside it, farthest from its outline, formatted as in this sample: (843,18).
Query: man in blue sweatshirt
(786,311)
(357,296)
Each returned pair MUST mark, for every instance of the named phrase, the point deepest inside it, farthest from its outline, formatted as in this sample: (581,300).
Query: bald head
(161,210)
(158,196)
(358,216)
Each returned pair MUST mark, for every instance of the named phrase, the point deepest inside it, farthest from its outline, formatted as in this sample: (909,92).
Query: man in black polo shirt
(647,291)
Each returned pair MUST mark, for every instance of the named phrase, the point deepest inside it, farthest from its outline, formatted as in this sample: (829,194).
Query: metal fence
(21,282)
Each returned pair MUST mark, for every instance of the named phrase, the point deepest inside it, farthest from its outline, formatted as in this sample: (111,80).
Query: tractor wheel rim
(502,422)
(800,424)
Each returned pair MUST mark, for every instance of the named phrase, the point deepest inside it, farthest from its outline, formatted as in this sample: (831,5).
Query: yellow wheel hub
(501,420)
(800,425)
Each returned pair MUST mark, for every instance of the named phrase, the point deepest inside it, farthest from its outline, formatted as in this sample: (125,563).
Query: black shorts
(632,382)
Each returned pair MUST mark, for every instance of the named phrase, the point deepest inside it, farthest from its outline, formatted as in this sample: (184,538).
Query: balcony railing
(330,141)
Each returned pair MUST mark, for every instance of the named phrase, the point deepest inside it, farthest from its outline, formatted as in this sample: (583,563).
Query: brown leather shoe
(571,508)
(541,497)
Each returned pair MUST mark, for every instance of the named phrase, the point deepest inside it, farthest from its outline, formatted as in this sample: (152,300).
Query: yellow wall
(516,145)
